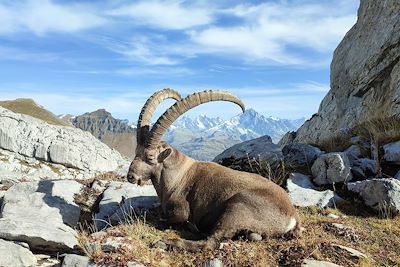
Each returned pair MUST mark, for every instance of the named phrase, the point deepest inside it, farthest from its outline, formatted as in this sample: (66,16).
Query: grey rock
(287,139)
(392,152)
(260,151)
(365,75)
(331,168)
(364,168)
(161,245)
(112,244)
(121,199)
(214,263)
(135,264)
(72,260)
(300,156)
(255,237)
(379,194)
(332,216)
(41,214)
(15,255)
(397,176)
(64,145)
(353,252)
(2,193)
(304,194)
(353,152)
(315,263)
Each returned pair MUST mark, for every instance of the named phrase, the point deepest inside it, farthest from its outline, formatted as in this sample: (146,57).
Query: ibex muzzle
(218,201)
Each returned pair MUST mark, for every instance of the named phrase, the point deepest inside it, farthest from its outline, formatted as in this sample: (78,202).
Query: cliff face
(365,75)
(115,133)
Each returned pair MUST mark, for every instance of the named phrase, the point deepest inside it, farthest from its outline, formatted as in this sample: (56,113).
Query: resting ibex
(217,200)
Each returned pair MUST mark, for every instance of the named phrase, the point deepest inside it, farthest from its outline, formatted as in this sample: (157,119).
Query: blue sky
(78,56)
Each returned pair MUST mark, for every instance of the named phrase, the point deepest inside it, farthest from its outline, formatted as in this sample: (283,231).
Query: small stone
(315,263)
(353,252)
(161,245)
(135,264)
(112,245)
(254,237)
(72,260)
(332,216)
(339,226)
(214,263)
(222,245)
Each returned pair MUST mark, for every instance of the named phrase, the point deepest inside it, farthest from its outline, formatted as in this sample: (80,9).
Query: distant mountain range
(203,137)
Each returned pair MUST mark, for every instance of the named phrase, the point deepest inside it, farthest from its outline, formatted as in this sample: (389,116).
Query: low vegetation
(29,107)
(140,239)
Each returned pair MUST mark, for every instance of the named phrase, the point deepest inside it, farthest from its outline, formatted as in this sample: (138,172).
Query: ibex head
(152,155)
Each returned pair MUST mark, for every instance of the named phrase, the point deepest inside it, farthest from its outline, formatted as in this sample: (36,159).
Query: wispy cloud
(169,15)
(43,16)
(269,32)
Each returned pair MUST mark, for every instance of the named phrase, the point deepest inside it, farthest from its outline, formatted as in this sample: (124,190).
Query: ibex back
(218,201)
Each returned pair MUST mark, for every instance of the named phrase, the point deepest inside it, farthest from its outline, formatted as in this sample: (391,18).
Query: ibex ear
(163,155)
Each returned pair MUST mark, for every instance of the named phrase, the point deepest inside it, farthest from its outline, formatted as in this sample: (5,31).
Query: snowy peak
(201,122)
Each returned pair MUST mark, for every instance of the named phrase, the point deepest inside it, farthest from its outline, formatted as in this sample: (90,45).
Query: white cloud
(43,16)
(268,32)
(171,15)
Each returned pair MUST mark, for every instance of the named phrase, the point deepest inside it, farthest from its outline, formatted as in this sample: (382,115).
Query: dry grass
(378,238)
(29,107)
(380,130)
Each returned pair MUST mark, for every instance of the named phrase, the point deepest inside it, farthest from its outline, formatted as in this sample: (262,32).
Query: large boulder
(392,152)
(64,145)
(365,75)
(303,193)
(260,152)
(300,156)
(331,168)
(364,168)
(382,195)
(15,255)
(42,214)
(121,199)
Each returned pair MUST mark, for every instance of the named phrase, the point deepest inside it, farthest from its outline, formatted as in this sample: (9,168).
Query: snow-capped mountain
(204,137)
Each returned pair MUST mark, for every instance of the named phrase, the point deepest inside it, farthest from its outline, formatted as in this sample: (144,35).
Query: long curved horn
(180,107)
(143,124)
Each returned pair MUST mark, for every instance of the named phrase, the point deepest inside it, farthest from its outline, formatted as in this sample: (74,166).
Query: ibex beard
(218,201)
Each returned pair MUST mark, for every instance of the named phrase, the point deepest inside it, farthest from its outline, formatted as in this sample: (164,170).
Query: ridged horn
(143,124)
(182,106)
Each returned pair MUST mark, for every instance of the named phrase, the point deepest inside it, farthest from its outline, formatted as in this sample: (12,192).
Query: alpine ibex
(217,200)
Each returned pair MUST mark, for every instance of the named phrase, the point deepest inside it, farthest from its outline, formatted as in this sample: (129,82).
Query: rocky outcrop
(365,75)
(63,145)
(117,134)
